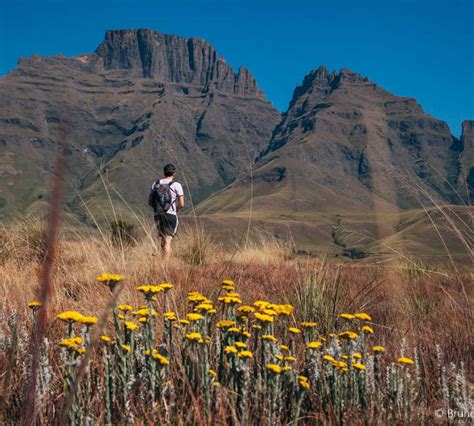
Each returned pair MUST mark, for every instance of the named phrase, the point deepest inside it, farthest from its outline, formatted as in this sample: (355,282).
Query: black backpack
(160,197)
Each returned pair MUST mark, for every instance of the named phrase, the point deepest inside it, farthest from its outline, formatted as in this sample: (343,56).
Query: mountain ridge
(126,124)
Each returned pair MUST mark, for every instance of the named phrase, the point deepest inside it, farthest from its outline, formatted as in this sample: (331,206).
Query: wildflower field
(256,336)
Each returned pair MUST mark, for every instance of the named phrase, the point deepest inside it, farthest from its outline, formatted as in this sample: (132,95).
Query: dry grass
(424,309)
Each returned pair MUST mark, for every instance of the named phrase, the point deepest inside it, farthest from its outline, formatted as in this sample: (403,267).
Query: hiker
(166,198)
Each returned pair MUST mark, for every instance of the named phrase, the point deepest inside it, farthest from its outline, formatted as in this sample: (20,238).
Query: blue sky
(417,48)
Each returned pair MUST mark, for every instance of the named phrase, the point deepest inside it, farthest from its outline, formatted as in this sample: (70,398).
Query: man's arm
(179,196)
(180,203)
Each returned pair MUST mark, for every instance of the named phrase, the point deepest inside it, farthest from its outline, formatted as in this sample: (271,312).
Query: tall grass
(423,309)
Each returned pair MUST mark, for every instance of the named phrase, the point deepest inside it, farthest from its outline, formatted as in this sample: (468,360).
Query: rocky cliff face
(359,137)
(144,99)
(149,54)
(346,141)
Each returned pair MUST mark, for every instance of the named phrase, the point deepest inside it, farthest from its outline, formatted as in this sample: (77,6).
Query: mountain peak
(149,54)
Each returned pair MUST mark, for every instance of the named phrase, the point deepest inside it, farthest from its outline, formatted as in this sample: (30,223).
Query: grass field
(268,364)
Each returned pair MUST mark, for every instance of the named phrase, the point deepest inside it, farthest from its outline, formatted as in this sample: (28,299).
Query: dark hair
(169,170)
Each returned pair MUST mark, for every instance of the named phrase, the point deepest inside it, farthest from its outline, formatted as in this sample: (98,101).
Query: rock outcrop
(149,54)
(142,100)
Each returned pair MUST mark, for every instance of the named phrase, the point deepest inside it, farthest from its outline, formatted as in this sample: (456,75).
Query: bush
(123,233)
(196,247)
(24,240)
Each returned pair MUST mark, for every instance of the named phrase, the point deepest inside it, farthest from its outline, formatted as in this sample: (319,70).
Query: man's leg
(166,245)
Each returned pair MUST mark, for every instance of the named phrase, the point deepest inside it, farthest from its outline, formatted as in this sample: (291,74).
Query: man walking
(166,198)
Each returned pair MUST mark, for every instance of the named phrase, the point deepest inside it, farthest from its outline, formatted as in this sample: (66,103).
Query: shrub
(196,247)
(123,233)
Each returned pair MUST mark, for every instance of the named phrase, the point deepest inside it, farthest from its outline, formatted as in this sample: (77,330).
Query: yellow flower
(378,348)
(246,334)
(345,357)
(34,305)
(240,345)
(283,309)
(81,351)
(290,359)
(106,339)
(144,312)
(88,320)
(406,361)
(166,286)
(263,317)
(196,297)
(125,308)
(261,304)
(228,287)
(126,348)
(347,316)
(303,382)
(279,357)
(212,373)
(284,348)
(294,330)
(270,312)
(233,330)
(368,329)
(229,300)
(358,366)
(183,321)
(357,356)
(269,337)
(149,290)
(246,308)
(204,307)
(363,316)
(70,316)
(129,325)
(245,354)
(110,277)
(328,358)
(306,324)
(230,350)
(304,385)
(257,327)
(161,359)
(110,280)
(193,336)
(348,334)
(170,316)
(287,368)
(339,364)
(225,324)
(143,320)
(194,317)
(71,343)
(228,282)
(314,345)
(275,368)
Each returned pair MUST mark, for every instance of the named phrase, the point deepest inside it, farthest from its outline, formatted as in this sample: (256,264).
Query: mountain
(142,99)
(346,164)
(346,138)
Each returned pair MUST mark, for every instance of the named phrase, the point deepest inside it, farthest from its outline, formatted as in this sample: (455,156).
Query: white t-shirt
(176,191)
